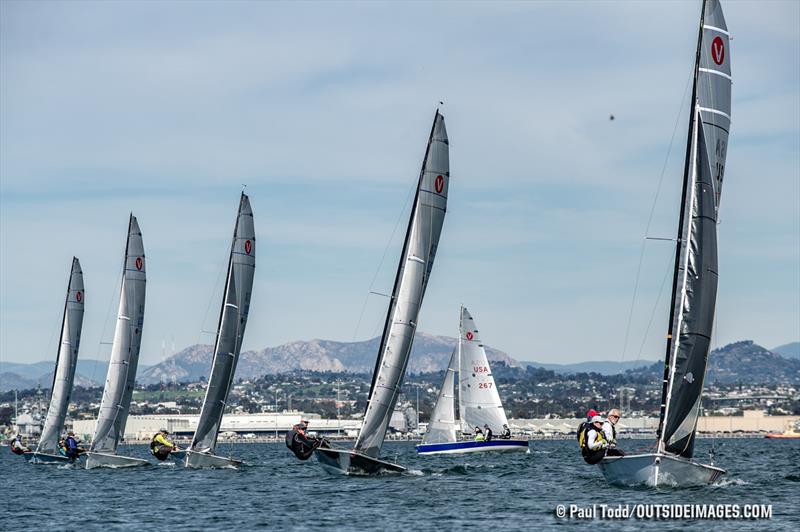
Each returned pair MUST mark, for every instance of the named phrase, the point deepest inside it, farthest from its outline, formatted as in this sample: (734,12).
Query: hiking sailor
(593,442)
(161,446)
(300,443)
(610,433)
(72,449)
(506,435)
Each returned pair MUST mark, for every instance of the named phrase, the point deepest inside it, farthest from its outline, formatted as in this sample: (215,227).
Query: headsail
(230,331)
(416,262)
(695,277)
(125,348)
(442,426)
(479,403)
(66,361)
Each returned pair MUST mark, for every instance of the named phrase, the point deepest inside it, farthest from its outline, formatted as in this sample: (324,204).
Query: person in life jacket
(506,435)
(479,434)
(161,446)
(17,447)
(593,442)
(586,424)
(487,432)
(610,433)
(73,450)
(300,443)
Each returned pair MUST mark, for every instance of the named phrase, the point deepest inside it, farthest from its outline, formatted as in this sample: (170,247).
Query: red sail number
(139,263)
(248,246)
(484,385)
(439,184)
(470,336)
(718,50)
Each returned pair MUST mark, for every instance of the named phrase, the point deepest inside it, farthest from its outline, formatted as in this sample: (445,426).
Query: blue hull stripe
(439,447)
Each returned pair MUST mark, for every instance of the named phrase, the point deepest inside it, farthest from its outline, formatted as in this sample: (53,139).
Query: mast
(668,365)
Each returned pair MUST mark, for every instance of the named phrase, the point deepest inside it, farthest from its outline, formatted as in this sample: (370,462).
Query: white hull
(203,460)
(658,470)
(114,461)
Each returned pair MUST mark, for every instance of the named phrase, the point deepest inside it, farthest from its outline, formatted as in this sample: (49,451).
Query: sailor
(301,444)
(585,425)
(62,446)
(610,433)
(593,442)
(479,434)
(17,447)
(72,447)
(161,445)
(506,435)
(487,432)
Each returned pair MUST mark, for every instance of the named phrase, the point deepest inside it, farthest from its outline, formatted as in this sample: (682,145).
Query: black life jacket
(289,437)
(583,427)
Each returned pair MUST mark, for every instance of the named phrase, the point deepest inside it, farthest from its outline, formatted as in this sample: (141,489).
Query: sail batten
(66,361)
(234,312)
(121,376)
(413,273)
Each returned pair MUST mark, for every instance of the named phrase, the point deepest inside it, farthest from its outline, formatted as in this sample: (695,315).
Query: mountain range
(738,362)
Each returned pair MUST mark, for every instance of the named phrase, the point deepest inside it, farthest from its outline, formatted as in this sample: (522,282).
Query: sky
(322,109)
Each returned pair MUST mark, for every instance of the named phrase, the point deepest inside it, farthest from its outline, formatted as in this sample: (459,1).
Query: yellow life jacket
(584,437)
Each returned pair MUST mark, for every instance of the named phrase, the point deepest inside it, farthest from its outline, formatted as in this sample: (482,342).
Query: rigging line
(211,298)
(383,258)
(108,313)
(650,221)
(653,313)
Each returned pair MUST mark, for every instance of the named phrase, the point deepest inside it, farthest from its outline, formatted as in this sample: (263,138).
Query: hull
(46,459)
(203,460)
(347,462)
(114,461)
(783,436)
(473,447)
(178,456)
(657,470)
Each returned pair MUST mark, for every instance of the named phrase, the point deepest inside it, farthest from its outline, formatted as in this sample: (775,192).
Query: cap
(162,429)
(591,413)
(597,419)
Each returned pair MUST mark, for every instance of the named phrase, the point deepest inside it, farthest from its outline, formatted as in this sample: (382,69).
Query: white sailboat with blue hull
(479,402)
(64,376)
(413,274)
(228,344)
(694,288)
(121,376)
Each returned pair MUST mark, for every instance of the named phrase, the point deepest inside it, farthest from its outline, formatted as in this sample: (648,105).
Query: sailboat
(478,400)
(228,344)
(694,287)
(124,360)
(64,376)
(413,273)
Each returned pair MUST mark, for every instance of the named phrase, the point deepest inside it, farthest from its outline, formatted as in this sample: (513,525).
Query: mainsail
(125,348)
(413,273)
(66,361)
(478,400)
(230,330)
(442,426)
(695,275)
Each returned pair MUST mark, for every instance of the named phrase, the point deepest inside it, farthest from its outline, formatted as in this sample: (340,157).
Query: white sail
(67,359)
(479,402)
(442,426)
(416,262)
(230,331)
(125,348)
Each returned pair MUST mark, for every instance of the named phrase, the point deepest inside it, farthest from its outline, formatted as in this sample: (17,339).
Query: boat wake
(730,482)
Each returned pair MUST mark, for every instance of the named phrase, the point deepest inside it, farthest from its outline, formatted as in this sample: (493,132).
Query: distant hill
(16,376)
(791,350)
(430,353)
(602,367)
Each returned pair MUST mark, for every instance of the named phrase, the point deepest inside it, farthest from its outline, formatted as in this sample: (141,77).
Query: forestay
(230,330)
(442,426)
(413,273)
(125,348)
(66,361)
(479,402)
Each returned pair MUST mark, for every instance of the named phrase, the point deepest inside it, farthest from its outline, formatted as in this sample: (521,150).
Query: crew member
(17,447)
(610,433)
(161,445)
(479,434)
(506,435)
(593,442)
(586,425)
(487,432)
(72,447)
(301,444)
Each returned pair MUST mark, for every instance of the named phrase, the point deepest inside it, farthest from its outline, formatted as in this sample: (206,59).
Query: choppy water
(512,491)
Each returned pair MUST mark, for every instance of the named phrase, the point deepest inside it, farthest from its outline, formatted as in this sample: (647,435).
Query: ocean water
(276,491)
